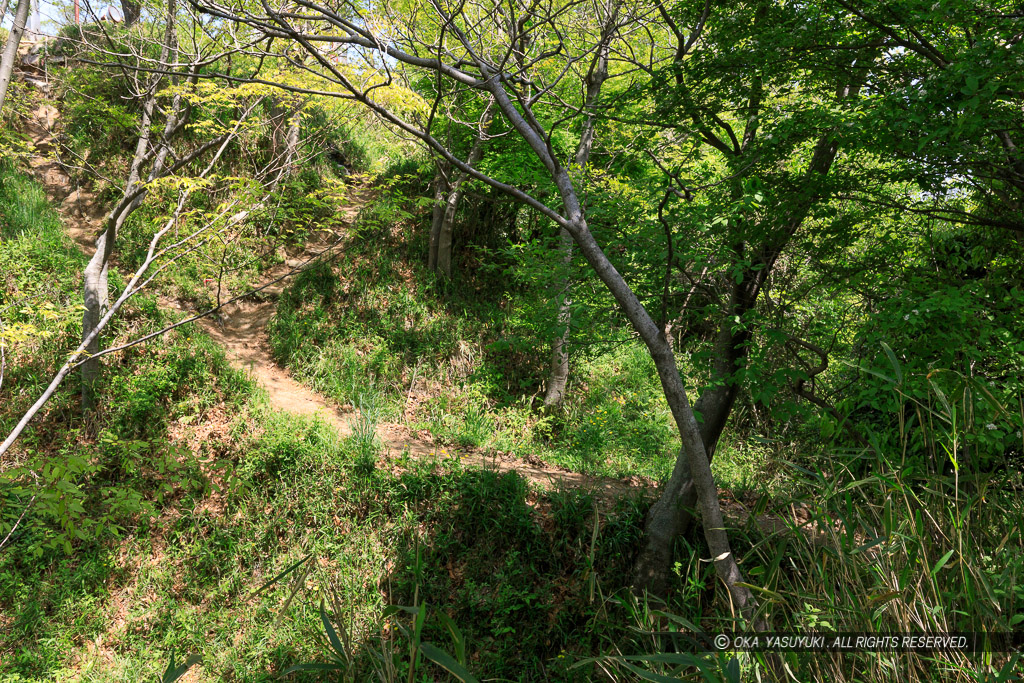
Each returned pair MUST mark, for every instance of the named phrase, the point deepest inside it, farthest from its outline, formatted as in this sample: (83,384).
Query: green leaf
(457,637)
(312,667)
(868,370)
(651,676)
(1006,673)
(173,673)
(763,591)
(892,361)
(868,546)
(446,661)
(732,670)
(942,562)
(332,635)
(277,578)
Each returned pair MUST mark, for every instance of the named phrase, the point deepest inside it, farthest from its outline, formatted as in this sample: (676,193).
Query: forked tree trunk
(558,375)
(180,109)
(451,206)
(95,292)
(10,55)
(672,515)
(698,467)
(574,220)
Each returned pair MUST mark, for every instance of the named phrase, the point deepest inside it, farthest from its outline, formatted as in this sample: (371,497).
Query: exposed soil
(241,330)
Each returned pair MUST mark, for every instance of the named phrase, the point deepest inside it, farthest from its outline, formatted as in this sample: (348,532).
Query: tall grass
(867,542)
(888,552)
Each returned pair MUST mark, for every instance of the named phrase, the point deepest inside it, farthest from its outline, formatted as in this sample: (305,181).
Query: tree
(472,46)
(95,294)
(948,104)
(132,10)
(162,162)
(593,81)
(286,129)
(10,55)
(724,112)
(449,195)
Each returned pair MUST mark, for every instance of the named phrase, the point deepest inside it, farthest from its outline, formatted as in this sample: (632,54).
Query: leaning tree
(515,55)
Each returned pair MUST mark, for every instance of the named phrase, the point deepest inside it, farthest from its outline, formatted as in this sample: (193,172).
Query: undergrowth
(373,322)
(187,517)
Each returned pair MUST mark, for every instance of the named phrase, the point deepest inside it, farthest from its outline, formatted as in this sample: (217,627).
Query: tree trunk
(285,132)
(447,227)
(657,345)
(95,291)
(34,26)
(558,376)
(672,515)
(441,186)
(180,109)
(697,464)
(132,11)
(291,140)
(96,301)
(10,55)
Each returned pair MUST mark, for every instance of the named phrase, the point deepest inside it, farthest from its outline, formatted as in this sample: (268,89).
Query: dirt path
(241,330)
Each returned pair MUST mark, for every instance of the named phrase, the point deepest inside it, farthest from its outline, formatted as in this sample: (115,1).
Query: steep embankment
(240,327)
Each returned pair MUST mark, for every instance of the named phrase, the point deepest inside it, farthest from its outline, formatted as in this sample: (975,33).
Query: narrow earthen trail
(241,331)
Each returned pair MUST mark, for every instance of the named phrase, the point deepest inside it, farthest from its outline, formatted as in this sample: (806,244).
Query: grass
(532,586)
(872,565)
(39,266)
(468,540)
(189,518)
(192,494)
(373,321)
(78,479)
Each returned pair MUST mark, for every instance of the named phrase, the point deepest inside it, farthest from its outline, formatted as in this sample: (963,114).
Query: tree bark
(441,186)
(658,347)
(285,132)
(558,376)
(10,55)
(672,515)
(180,109)
(95,292)
(447,227)
(291,140)
(697,466)
(132,11)
(33,25)
(520,116)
